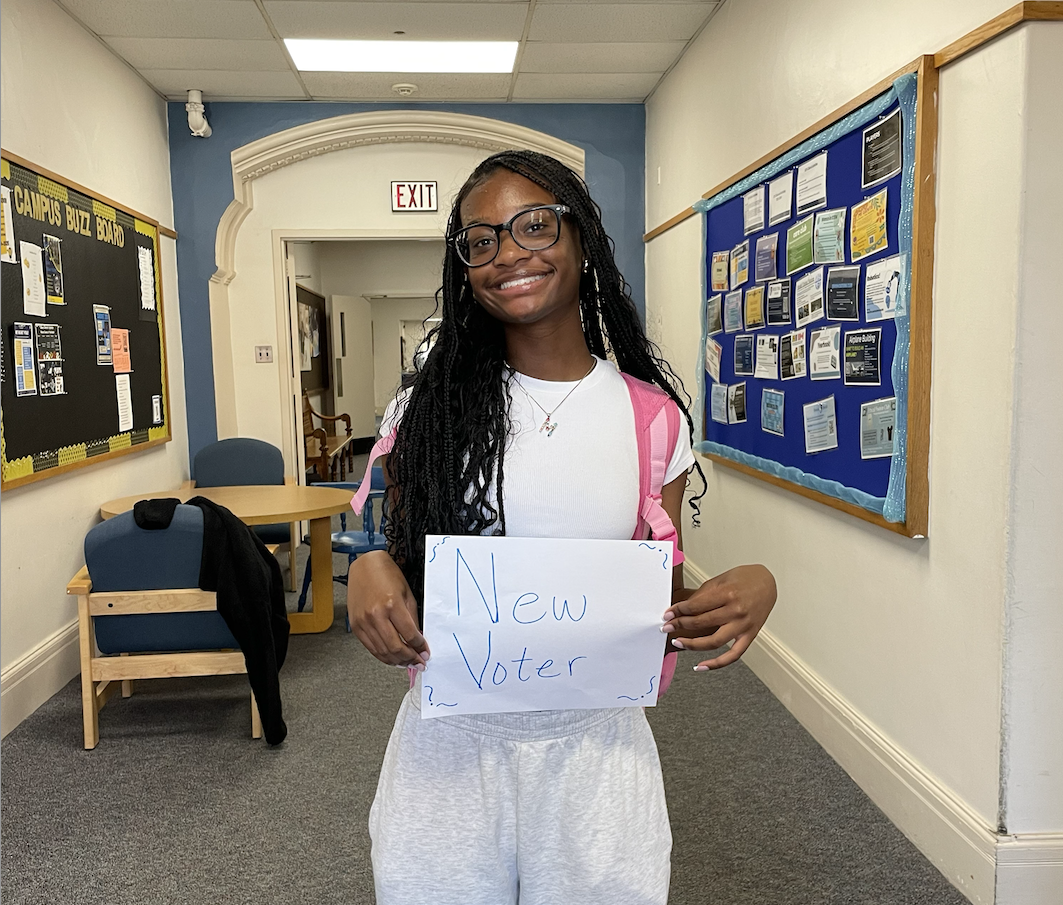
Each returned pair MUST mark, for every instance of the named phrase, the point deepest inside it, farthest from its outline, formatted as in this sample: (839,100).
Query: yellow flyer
(867,230)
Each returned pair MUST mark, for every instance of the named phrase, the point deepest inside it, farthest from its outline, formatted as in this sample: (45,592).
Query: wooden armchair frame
(100,675)
(327,452)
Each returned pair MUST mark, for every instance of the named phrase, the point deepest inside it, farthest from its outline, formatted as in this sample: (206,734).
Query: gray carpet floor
(178,806)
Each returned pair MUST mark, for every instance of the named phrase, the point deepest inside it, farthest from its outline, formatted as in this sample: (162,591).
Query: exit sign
(414,196)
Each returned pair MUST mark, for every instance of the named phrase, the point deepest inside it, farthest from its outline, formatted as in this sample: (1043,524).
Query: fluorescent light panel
(313,55)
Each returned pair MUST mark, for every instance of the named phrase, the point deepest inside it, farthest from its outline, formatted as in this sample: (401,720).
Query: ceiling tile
(620,22)
(631,86)
(600,57)
(431,86)
(200,53)
(171,18)
(420,21)
(215,85)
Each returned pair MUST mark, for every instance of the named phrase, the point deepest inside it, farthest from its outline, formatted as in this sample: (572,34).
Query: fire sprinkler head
(404,89)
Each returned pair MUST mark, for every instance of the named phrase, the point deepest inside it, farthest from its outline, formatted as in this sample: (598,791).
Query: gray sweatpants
(544,808)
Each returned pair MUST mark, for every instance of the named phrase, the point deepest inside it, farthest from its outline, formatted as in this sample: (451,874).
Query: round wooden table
(268,504)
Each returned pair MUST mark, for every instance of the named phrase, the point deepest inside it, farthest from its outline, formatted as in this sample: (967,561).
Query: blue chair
(239,461)
(138,602)
(353,544)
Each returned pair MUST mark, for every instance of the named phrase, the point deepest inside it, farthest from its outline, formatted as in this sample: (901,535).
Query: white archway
(431,134)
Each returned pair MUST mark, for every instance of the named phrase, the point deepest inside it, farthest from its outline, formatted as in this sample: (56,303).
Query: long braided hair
(450,445)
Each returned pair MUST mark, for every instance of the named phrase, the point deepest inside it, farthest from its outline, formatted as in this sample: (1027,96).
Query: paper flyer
(156,409)
(25,360)
(53,270)
(867,227)
(778,296)
(732,311)
(863,357)
(755,308)
(33,299)
(843,285)
(718,403)
(743,355)
(799,246)
(821,426)
(721,268)
(765,261)
(7,228)
(125,402)
(824,353)
(828,240)
(812,184)
(792,355)
(753,210)
(881,153)
(780,198)
(878,420)
(146,270)
(736,403)
(808,297)
(713,350)
(120,350)
(882,283)
(739,264)
(771,412)
(767,367)
(101,316)
(714,315)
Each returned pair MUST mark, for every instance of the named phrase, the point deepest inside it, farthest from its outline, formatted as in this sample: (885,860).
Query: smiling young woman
(536,320)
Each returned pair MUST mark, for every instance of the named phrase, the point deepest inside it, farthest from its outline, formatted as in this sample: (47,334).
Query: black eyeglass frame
(559,209)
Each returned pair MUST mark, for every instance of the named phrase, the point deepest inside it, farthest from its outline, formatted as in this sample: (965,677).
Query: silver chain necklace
(549,425)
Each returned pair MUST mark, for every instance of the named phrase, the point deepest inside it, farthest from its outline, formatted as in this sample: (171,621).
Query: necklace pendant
(548,426)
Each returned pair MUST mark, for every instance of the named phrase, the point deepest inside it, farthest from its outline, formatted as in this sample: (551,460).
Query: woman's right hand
(383,611)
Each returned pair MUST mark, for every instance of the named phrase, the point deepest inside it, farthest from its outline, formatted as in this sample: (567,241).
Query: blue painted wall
(612,136)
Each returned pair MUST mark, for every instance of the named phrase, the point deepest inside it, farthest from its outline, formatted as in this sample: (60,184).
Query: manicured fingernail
(668,616)
(667,628)
(701,668)
(426,656)
(677,642)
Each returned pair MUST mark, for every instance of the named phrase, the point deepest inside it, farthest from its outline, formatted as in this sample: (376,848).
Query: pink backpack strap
(381,448)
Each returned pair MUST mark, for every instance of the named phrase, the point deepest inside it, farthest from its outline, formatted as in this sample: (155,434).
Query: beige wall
(909,638)
(73,108)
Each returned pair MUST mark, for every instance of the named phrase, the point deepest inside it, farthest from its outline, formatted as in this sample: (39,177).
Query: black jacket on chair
(247,580)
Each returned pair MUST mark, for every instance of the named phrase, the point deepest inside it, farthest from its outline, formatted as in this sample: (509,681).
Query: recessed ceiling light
(313,55)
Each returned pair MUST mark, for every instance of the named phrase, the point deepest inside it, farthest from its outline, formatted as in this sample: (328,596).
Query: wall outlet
(263,354)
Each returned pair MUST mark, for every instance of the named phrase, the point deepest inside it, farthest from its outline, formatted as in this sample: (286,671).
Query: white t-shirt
(583,479)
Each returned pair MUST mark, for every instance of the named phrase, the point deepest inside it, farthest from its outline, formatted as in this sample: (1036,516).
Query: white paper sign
(33,299)
(517,624)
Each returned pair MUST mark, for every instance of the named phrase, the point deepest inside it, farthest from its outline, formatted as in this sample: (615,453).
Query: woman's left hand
(732,607)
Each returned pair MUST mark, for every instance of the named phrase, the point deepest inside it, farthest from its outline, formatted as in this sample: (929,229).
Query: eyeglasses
(533,230)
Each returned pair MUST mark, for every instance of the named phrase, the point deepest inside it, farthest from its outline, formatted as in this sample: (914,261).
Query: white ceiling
(570,50)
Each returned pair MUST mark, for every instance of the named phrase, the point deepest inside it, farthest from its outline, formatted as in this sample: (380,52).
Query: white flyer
(713,350)
(808,297)
(824,353)
(878,420)
(718,403)
(767,358)
(146,268)
(753,210)
(812,184)
(125,402)
(34,300)
(821,425)
(519,624)
(882,283)
(780,198)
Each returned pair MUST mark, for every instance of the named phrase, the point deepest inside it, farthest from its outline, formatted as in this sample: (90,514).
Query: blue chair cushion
(238,461)
(123,557)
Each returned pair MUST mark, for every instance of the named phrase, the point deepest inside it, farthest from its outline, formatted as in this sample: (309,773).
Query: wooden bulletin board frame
(138,230)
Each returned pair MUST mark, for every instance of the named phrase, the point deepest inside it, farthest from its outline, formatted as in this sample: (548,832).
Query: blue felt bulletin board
(879,489)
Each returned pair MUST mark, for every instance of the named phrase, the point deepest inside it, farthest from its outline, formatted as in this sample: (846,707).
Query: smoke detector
(404,89)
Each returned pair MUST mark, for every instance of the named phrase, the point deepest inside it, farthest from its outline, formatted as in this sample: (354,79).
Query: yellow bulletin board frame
(87,451)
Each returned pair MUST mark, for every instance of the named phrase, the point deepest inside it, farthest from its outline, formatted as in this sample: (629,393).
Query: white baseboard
(33,679)
(988,869)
